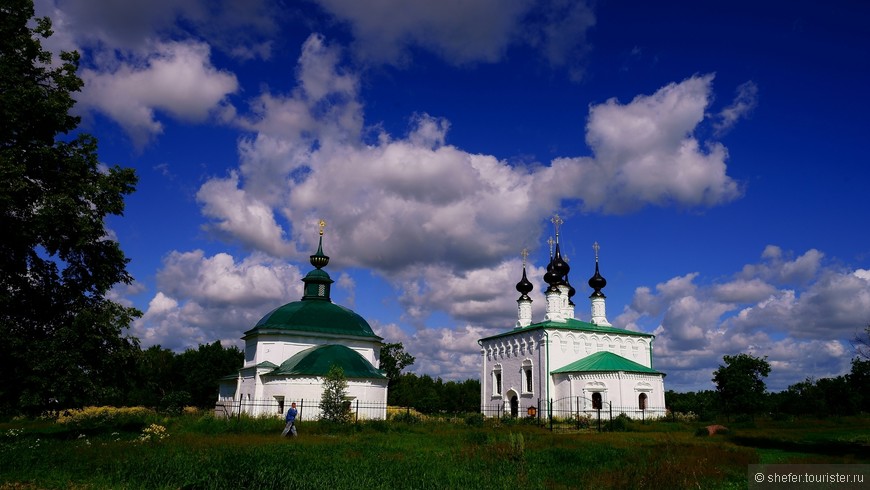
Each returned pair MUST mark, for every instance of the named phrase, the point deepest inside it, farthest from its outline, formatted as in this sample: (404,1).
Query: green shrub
(406,417)
(107,418)
(474,419)
(174,402)
(620,423)
(517,446)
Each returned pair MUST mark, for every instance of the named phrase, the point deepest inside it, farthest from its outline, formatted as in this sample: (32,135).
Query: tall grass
(203,452)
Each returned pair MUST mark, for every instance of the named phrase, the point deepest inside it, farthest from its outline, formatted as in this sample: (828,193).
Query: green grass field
(198,451)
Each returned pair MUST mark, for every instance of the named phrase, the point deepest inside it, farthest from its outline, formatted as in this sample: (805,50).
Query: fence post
(577,414)
(599,420)
(539,410)
(356,418)
(610,406)
(301,404)
(550,413)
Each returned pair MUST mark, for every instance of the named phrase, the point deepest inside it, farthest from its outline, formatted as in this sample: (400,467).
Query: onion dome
(571,290)
(597,281)
(550,277)
(560,267)
(524,286)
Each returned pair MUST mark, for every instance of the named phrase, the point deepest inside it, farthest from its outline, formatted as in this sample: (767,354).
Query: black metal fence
(570,413)
(306,409)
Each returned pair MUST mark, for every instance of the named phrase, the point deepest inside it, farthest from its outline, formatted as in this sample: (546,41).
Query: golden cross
(322,226)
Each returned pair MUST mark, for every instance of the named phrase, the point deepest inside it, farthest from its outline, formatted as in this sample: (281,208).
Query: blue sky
(715,150)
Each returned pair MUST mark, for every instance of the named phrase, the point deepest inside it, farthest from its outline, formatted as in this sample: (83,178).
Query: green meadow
(198,451)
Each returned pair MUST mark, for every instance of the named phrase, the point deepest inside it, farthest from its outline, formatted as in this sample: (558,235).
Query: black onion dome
(560,267)
(550,277)
(571,290)
(524,286)
(597,282)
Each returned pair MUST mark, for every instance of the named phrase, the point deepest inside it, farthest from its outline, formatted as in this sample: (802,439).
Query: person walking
(290,428)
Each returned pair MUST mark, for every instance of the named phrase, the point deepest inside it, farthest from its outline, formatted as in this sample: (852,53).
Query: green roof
(315,316)
(572,324)
(318,360)
(605,361)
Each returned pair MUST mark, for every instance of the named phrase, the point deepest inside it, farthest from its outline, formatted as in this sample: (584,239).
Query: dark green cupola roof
(315,313)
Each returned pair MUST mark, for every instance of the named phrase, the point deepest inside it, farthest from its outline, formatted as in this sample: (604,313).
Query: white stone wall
(568,346)
(261,399)
(512,355)
(618,390)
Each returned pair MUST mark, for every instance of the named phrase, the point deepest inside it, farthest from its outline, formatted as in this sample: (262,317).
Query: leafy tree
(155,376)
(198,371)
(739,383)
(859,380)
(164,378)
(433,395)
(704,404)
(63,339)
(333,406)
(393,360)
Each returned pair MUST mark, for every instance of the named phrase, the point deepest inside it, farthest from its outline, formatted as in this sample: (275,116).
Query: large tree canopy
(739,383)
(63,340)
(393,360)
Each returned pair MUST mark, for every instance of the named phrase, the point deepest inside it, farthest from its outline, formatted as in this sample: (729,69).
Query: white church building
(566,365)
(291,349)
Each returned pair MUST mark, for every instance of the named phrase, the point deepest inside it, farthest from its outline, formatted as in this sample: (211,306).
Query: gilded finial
(322,226)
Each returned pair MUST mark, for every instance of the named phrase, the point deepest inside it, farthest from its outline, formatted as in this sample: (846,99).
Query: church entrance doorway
(515,406)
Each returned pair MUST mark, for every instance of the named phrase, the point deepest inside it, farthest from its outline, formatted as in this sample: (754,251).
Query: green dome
(318,360)
(315,316)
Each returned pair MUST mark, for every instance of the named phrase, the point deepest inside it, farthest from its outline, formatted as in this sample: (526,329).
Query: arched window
(496,380)
(641,401)
(596,401)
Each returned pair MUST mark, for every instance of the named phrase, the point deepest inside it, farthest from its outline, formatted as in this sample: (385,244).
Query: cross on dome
(557,222)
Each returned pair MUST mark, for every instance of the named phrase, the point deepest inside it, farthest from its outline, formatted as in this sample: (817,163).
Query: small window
(496,380)
(596,401)
(641,401)
(527,384)
(280,400)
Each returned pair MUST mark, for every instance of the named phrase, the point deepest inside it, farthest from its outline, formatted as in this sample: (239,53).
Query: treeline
(170,381)
(847,394)
(434,395)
